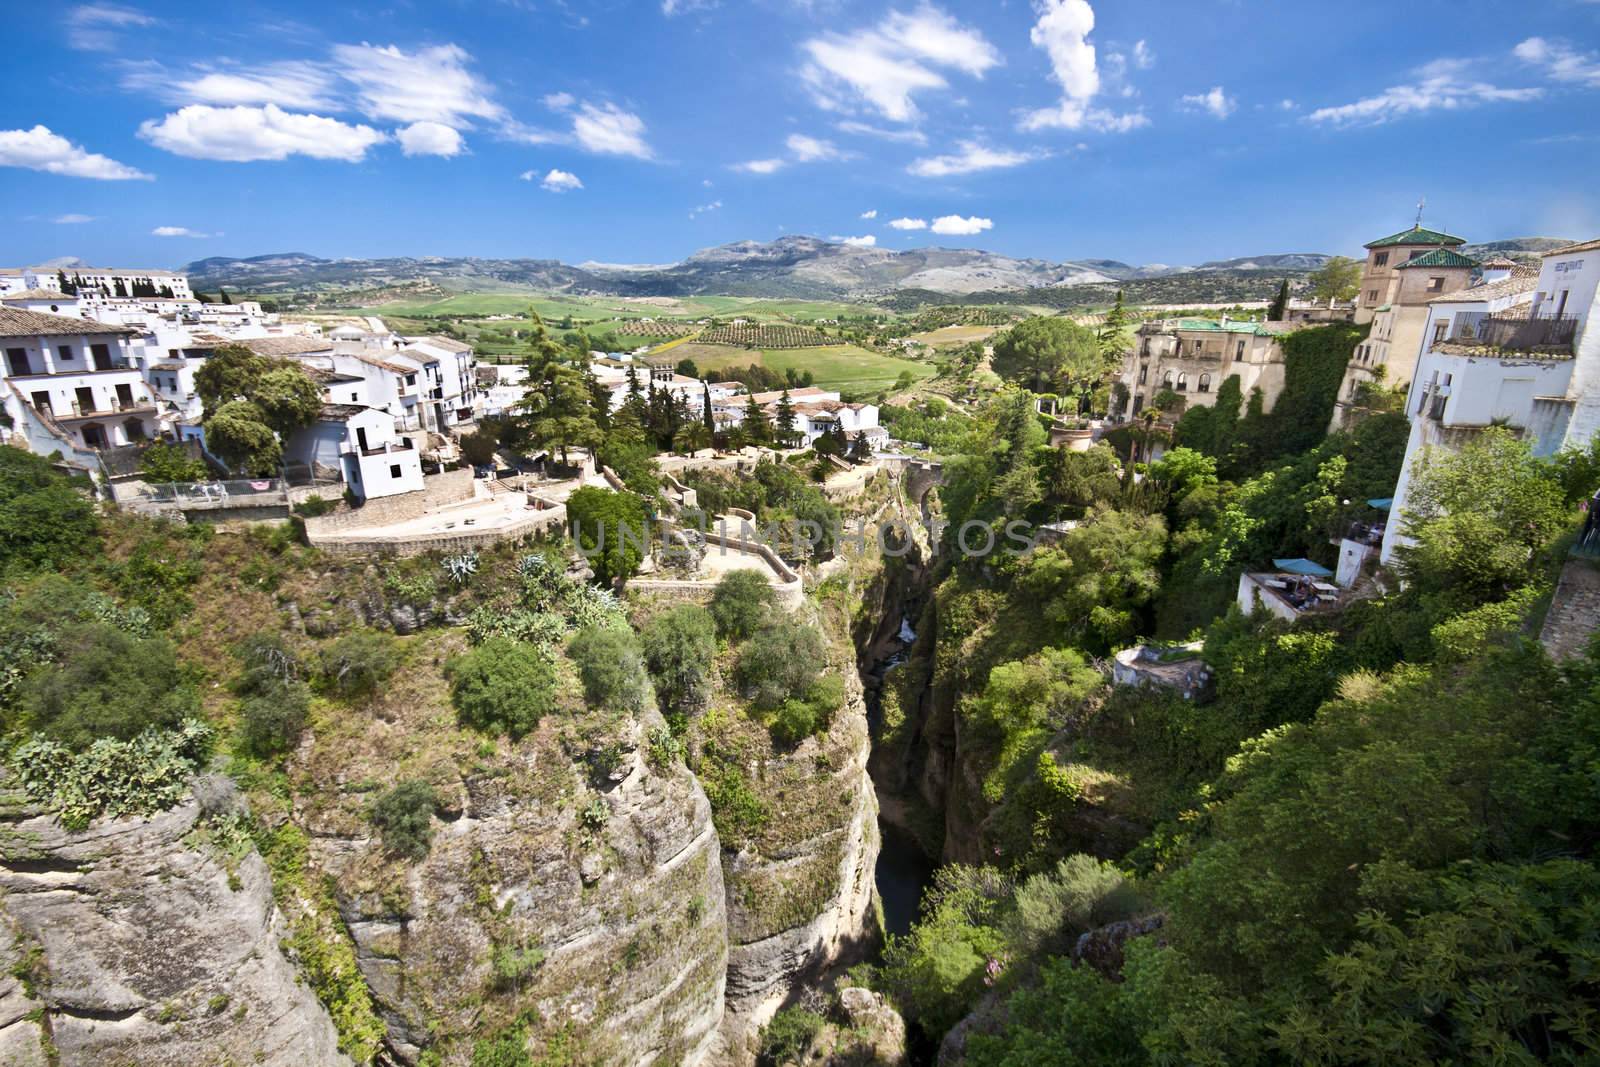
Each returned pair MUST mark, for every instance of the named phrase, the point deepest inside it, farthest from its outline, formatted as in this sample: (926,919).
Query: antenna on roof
(1421,203)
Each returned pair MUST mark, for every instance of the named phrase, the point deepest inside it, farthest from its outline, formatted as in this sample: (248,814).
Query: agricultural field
(764,336)
(950,336)
(842,367)
(655,328)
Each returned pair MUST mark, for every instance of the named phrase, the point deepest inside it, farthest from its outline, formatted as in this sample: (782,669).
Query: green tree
(45,517)
(1279,308)
(679,646)
(755,426)
(742,601)
(612,530)
(502,686)
(239,435)
(163,462)
(779,662)
(105,682)
(1112,334)
(1337,279)
(611,665)
(784,427)
(1051,355)
(355,664)
(404,818)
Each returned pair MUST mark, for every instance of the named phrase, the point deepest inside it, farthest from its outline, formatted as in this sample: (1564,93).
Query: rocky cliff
(573,897)
(148,941)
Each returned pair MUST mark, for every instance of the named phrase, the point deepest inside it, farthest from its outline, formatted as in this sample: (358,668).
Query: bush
(44,520)
(314,505)
(404,816)
(164,462)
(105,683)
(271,719)
(611,529)
(742,601)
(356,663)
(800,718)
(143,776)
(612,668)
(780,662)
(1080,894)
(502,686)
(679,645)
(785,1039)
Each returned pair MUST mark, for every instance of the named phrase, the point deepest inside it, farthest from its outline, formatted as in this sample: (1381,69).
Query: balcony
(1553,334)
(118,407)
(402,445)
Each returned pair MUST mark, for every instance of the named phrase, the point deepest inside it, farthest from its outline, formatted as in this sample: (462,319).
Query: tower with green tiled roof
(1379,276)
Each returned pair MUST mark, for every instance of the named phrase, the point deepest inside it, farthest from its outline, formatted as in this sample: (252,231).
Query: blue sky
(641,130)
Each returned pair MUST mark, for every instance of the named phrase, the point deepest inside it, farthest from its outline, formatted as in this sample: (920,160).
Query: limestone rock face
(141,946)
(586,899)
(800,899)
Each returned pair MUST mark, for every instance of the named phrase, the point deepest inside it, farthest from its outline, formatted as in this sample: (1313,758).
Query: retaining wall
(450,542)
(451,487)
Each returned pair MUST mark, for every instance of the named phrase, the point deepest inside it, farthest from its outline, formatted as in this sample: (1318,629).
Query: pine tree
(1110,335)
(1280,303)
(226,299)
(785,424)
(861,448)
(707,414)
(62,285)
(599,397)
(756,428)
(120,289)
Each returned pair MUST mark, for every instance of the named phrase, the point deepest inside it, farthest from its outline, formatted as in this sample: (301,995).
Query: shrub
(164,462)
(742,601)
(404,817)
(272,718)
(1080,894)
(679,645)
(800,717)
(314,505)
(105,683)
(612,530)
(612,668)
(785,1039)
(511,965)
(44,520)
(779,662)
(148,774)
(502,686)
(356,663)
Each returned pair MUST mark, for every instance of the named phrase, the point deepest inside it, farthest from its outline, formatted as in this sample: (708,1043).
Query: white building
(361,447)
(70,386)
(1514,351)
(108,281)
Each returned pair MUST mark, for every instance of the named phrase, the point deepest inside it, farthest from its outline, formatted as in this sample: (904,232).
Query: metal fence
(230,493)
(1524,332)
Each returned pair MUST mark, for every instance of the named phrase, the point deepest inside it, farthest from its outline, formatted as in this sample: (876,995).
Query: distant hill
(792,266)
(1515,247)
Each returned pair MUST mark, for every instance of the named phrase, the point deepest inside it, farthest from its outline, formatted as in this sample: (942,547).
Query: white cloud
(864,241)
(609,130)
(864,130)
(93,27)
(179,231)
(670,8)
(1062,32)
(696,212)
(429,85)
(559,101)
(429,139)
(760,166)
(72,219)
(1443,85)
(870,214)
(1143,58)
(1561,61)
(1214,102)
(972,156)
(1287,104)
(885,66)
(294,84)
(810,149)
(245,134)
(40,149)
(908,224)
(955,224)
(560,181)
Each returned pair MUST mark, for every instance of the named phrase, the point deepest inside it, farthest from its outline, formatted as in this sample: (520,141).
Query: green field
(842,367)
(598,309)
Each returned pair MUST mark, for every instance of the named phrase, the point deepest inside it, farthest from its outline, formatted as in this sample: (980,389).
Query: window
(1372,296)
(394,470)
(1183,383)
(1414,255)
(1435,284)
(1144,372)
(1381,259)
(1205,384)
(1238,351)
(1561,305)
(102,356)
(1166,380)
(18,360)
(65,352)
(1439,331)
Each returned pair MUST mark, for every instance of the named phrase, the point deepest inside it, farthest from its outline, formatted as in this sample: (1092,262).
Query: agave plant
(461,568)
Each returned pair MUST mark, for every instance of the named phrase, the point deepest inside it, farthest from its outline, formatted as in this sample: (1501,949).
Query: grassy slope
(844,367)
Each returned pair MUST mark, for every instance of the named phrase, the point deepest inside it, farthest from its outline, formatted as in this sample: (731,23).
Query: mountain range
(792,266)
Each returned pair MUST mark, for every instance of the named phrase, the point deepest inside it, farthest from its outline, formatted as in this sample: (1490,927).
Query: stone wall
(445,541)
(451,487)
